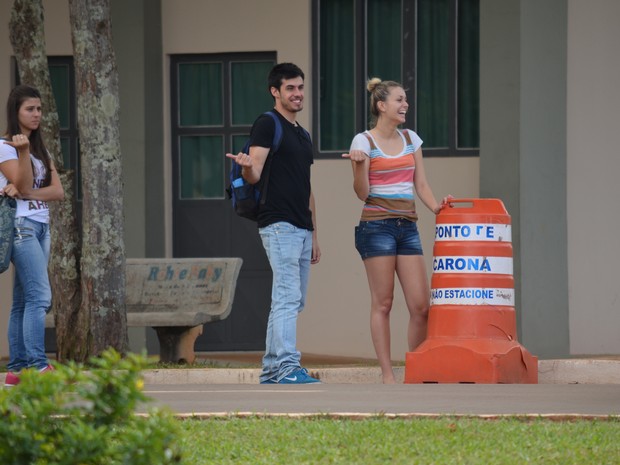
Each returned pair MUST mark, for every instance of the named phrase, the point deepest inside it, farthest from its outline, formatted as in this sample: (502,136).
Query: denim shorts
(394,236)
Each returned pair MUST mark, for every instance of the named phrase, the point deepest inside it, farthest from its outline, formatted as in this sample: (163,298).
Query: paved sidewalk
(556,401)
(564,371)
(571,388)
(234,368)
(568,388)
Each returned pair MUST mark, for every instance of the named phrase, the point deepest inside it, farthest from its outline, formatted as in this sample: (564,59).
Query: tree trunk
(26,31)
(103,249)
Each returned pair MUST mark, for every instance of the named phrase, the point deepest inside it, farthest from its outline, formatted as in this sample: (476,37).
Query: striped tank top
(391,182)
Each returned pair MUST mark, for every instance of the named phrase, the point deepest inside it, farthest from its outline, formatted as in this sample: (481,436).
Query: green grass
(446,440)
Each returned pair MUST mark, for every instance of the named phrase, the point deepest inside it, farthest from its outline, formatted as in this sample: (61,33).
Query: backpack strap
(277,135)
(370,139)
(275,145)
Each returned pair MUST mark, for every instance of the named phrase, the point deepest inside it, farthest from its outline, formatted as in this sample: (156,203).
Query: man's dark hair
(283,71)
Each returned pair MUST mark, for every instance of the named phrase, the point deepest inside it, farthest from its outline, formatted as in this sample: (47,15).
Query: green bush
(72,416)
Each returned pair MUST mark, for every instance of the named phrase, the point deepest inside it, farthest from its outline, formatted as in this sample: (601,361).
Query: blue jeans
(32,296)
(289,250)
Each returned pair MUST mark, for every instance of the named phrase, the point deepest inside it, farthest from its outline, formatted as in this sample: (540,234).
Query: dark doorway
(215,98)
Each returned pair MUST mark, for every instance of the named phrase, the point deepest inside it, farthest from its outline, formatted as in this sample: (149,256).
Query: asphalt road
(559,400)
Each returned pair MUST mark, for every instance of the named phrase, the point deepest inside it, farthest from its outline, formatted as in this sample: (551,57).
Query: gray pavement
(359,400)
(566,389)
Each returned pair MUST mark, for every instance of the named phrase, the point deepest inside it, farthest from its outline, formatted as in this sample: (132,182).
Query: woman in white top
(27,173)
(387,171)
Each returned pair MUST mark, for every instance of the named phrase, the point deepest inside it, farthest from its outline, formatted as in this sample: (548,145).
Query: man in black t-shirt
(286,221)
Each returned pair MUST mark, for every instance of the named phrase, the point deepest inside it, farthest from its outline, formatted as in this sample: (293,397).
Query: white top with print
(36,210)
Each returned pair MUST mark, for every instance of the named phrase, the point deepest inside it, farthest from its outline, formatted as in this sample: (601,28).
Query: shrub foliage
(74,416)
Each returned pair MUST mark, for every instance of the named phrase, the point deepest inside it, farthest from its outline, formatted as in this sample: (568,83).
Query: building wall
(523,156)
(542,188)
(337,314)
(548,115)
(500,114)
(196,26)
(593,126)
(336,320)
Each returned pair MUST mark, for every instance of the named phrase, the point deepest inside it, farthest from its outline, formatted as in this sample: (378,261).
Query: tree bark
(103,249)
(26,31)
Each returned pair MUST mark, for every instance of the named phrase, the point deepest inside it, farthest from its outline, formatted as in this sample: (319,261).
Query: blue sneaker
(269,381)
(300,376)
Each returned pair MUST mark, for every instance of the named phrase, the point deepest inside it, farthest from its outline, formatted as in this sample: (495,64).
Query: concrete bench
(176,296)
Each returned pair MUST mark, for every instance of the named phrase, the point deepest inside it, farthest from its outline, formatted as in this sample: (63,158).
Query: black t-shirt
(288,193)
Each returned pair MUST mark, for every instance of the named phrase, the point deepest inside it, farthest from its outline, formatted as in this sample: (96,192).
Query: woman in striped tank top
(387,171)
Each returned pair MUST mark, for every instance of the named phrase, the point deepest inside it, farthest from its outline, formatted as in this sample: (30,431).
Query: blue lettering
(455,294)
(464,231)
(443,231)
(460,264)
(154,273)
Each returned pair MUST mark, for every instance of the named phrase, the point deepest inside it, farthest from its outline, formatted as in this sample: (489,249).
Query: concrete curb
(573,371)
(564,371)
(579,371)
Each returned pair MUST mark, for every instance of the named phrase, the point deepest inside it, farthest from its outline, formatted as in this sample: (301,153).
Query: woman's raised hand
(356,155)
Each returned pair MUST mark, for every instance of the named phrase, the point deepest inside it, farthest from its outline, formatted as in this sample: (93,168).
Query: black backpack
(246,197)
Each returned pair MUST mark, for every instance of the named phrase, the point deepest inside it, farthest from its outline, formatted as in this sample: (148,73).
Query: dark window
(430,46)
(62,78)
(216,98)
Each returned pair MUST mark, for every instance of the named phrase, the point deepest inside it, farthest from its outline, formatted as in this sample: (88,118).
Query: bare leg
(411,272)
(380,272)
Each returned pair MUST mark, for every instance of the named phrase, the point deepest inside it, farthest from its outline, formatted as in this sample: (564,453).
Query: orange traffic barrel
(472,336)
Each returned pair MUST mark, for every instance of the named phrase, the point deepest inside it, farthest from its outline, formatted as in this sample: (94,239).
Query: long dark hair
(16,98)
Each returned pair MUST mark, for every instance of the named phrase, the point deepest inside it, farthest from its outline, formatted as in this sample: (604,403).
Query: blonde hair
(379,91)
